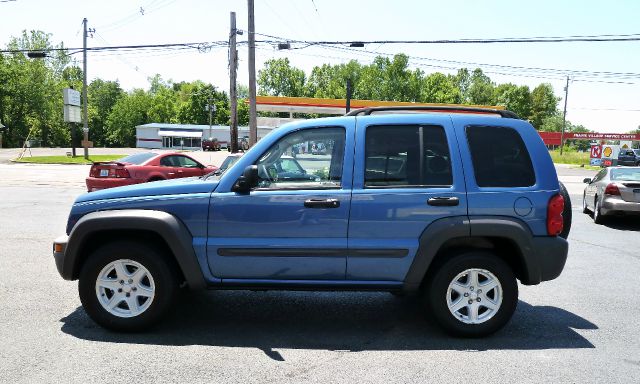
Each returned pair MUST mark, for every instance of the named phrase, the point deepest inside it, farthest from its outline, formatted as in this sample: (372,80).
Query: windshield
(138,158)
(226,164)
(631,174)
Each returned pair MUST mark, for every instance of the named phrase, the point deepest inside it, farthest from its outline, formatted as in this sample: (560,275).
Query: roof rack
(432,108)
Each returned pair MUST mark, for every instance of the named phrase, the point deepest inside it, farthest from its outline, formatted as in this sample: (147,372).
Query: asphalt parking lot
(582,327)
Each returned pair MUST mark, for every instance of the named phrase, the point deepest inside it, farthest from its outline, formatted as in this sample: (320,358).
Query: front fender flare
(169,227)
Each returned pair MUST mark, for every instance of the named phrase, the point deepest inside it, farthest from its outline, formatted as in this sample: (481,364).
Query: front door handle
(443,201)
(322,203)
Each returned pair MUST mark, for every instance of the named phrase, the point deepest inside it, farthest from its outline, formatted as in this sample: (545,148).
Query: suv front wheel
(472,294)
(127,286)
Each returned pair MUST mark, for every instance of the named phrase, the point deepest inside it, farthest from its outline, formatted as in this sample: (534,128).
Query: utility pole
(210,107)
(253,119)
(564,115)
(233,94)
(85,122)
(349,90)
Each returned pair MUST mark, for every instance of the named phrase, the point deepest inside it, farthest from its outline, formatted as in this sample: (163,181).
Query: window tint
(397,156)
(305,159)
(600,175)
(138,158)
(500,158)
(625,174)
(184,162)
(227,163)
(167,161)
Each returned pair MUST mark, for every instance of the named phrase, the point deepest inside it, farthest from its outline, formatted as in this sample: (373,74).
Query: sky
(599,102)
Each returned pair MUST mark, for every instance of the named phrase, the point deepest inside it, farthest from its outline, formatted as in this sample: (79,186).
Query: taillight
(93,172)
(555,223)
(612,189)
(122,172)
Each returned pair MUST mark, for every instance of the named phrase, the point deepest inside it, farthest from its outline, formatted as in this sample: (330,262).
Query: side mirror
(587,181)
(247,181)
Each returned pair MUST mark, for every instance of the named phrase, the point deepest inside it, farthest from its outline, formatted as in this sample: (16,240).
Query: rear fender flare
(443,230)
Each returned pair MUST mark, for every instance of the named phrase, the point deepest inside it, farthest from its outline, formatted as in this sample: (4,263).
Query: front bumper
(59,249)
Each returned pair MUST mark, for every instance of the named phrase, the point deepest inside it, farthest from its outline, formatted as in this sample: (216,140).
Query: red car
(143,167)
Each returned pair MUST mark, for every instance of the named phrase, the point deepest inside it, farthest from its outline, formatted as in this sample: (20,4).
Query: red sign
(596,151)
(553,138)
(602,136)
(550,138)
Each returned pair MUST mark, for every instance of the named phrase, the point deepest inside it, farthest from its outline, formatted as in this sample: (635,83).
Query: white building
(187,136)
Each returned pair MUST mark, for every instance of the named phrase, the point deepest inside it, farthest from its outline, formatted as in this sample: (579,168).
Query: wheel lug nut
(134,289)
(470,301)
(466,294)
(471,288)
(479,291)
(130,281)
(121,281)
(128,294)
(119,290)
(479,299)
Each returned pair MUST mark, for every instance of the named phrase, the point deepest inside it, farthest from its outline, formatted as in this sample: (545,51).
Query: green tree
(481,89)
(543,104)
(514,98)
(130,110)
(103,96)
(438,88)
(31,95)
(194,98)
(462,79)
(279,78)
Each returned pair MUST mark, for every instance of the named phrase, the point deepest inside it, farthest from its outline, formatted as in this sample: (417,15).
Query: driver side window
(304,159)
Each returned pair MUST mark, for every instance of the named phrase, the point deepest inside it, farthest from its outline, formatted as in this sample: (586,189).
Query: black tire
(567,213)
(597,214)
(159,266)
(438,293)
(585,208)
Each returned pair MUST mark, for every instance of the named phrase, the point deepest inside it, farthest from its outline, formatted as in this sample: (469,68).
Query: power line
(549,39)
(197,45)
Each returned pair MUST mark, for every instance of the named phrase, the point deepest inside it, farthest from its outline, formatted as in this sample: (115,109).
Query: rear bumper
(551,253)
(98,183)
(59,250)
(613,205)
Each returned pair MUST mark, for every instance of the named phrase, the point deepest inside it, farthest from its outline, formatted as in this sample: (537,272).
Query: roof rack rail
(433,108)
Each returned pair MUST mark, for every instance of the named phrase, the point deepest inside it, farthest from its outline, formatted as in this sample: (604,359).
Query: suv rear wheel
(127,286)
(472,294)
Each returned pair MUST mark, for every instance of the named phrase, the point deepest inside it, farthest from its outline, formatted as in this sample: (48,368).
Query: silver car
(614,190)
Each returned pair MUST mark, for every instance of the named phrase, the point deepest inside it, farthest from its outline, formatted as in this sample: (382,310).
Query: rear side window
(138,158)
(407,155)
(500,158)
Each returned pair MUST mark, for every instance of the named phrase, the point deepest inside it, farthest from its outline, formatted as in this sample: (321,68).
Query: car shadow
(623,223)
(331,321)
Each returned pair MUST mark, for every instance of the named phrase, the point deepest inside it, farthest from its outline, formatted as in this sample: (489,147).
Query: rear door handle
(322,203)
(443,201)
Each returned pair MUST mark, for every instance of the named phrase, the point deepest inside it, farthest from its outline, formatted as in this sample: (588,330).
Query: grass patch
(570,157)
(67,159)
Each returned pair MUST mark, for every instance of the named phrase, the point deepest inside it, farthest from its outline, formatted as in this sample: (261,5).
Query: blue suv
(456,205)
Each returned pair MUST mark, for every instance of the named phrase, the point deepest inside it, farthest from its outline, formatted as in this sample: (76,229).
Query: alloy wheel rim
(474,296)
(125,288)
